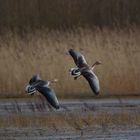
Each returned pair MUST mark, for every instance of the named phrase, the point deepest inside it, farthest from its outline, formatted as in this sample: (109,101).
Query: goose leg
(75,78)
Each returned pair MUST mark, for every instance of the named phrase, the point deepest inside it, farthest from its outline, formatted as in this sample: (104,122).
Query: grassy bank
(45,52)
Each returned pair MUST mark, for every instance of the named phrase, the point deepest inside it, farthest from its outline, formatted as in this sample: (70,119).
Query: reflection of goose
(36,84)
(84,69)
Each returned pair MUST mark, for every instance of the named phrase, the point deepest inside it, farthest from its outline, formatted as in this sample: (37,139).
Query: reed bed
(45,52)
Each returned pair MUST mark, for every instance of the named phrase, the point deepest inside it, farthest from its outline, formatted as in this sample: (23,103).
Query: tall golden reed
(45,52)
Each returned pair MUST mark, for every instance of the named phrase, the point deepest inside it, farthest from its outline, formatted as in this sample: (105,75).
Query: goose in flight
(84,69)
(36,84)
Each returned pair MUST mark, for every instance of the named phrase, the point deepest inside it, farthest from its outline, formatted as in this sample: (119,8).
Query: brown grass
(45,52)
(69,120)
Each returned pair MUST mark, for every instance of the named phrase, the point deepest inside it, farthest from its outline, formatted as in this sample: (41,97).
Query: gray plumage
(78,58)
(36,84)
(86,70)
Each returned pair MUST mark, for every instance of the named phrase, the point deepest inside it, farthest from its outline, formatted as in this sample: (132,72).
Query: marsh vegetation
(45,52)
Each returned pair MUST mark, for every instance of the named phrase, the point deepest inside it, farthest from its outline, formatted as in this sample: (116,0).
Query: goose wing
(49,94)
(78,58)
(92,80)
(34,79)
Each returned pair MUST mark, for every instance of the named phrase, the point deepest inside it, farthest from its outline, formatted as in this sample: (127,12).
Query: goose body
(85,70)
(36,84)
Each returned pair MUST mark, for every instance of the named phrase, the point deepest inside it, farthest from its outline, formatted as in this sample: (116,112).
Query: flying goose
(36,84)
(84,69)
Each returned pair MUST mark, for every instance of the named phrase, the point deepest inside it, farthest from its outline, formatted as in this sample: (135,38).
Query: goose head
(97,63)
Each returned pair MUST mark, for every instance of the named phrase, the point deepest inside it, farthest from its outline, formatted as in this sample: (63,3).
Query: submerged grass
(45,52)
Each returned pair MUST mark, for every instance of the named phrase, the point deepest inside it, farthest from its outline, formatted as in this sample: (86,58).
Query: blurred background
(35,36)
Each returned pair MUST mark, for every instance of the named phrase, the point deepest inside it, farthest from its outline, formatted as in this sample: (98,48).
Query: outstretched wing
(49,95)
(78,58)
(34,79)
(92,80)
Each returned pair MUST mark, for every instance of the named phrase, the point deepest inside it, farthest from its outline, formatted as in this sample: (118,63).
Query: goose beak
(98,63)
(55,80)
